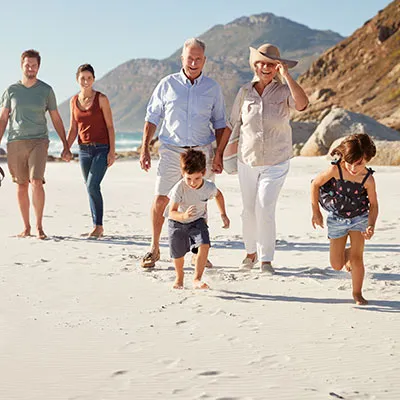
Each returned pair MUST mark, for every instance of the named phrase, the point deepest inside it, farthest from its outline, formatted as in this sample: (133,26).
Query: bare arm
(73,126)
(297,92)
(373,207)
(219,198)
(106,109)
(5,113)
(222,137)
(219,136)
(59,127)
(148,133)
(180,216)
(323,177)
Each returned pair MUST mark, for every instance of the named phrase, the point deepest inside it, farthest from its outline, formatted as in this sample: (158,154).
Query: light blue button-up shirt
(189,111)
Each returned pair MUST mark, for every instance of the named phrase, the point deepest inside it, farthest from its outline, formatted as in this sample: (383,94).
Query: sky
(104,33)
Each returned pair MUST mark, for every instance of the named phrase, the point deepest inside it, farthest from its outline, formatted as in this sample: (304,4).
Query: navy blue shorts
(186,237)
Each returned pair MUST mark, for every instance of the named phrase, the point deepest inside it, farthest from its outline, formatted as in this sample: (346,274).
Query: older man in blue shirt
(192,108)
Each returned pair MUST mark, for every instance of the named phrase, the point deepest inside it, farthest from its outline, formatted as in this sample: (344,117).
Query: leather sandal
(149,260)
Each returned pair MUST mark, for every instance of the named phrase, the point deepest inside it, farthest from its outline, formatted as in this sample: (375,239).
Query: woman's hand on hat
(282,69)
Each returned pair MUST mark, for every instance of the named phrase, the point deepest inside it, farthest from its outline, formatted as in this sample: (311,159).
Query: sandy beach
(80,320)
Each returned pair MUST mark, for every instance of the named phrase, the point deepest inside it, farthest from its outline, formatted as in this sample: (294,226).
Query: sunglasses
(1,175)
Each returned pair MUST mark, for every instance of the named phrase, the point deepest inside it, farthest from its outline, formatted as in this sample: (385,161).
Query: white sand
(80,320)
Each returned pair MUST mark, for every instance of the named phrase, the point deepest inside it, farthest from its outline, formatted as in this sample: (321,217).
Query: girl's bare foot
(25,233)
(359,299)
(97,232)
(178,285)
(40,234)
(198,284)
(347,264)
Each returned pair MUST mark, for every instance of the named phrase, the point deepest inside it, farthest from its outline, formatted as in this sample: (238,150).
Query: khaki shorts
(27,159)
(169,166)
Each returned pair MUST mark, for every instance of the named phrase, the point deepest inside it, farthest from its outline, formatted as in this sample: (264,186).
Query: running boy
(347,191)
(187,227)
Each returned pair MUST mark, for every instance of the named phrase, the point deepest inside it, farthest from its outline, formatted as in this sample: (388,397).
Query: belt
(189,147)
(93,144)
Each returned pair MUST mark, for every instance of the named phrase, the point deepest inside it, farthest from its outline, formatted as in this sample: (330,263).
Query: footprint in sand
(119,373)
(209,373)
(121,380)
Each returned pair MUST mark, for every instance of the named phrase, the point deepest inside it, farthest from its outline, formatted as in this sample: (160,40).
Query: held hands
(190,212)
(145,159)
(317,219)
(217,165)
(225,221)
(369,232)
(66,155)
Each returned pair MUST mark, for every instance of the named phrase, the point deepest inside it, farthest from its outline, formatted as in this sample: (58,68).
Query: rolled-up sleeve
(235,113)
(218,117)
(290,100)
(155,108)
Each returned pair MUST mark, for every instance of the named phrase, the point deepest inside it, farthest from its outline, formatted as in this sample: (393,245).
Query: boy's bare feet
(347,264)
(25,233)
(193,262)
(359,299)
(40,234)
(97,232)
(198,284)
(178,285)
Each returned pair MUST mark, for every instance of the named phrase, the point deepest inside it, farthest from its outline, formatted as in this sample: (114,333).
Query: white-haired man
(189,104)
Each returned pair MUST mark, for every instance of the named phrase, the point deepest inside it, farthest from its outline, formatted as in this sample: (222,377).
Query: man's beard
(30,76)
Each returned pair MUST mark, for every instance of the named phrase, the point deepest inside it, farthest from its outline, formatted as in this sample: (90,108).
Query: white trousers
(260,187)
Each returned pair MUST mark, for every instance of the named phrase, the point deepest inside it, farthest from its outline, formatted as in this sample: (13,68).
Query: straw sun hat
(268,53)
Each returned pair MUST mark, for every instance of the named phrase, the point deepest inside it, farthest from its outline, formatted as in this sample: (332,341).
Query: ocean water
(124,141)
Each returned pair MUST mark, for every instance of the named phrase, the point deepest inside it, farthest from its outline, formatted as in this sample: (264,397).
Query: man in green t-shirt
(24,106)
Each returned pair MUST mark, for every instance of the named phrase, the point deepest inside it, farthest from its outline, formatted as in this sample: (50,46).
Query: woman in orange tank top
(91,121)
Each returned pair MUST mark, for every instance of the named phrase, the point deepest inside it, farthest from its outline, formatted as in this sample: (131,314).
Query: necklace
(87,99)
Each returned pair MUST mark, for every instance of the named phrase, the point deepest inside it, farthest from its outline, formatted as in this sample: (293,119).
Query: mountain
(361,73)
(130,85)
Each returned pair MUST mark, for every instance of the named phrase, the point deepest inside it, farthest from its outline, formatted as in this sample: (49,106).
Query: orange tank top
(92,126)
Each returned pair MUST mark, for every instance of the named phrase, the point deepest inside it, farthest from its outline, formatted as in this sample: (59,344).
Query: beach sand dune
(80,320)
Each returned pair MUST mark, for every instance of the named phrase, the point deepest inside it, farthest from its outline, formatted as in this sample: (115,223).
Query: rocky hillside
(361,73)
(129,86)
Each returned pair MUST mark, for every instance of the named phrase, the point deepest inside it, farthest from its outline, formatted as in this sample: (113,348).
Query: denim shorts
(186,237)
(339,227)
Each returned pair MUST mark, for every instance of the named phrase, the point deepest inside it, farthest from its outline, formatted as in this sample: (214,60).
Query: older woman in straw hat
(262,106)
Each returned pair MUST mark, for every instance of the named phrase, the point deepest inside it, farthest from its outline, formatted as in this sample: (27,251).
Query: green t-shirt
(28,107)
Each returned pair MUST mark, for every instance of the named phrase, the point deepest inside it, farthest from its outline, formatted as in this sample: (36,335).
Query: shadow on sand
(374,305)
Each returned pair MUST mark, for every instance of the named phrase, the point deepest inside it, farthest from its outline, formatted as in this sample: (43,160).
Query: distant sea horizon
(124,141)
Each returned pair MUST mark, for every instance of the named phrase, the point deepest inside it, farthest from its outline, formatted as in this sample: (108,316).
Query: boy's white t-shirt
(186,196)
